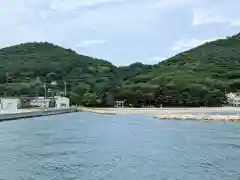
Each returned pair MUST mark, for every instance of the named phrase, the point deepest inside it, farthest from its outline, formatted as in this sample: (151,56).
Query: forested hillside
(128,72)
(25,67)
(198,77)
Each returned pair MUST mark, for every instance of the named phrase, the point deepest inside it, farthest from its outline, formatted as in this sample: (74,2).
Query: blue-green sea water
(88,146)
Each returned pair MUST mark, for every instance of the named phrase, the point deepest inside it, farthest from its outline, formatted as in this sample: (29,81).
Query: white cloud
(203,16)
(167,4)
(187,44)
(33,20)
(44,15)
(87,43)
(68,5)
(235,23)
(156,59)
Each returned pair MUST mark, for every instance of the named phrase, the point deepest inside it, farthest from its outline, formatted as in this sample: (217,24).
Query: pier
(20,114)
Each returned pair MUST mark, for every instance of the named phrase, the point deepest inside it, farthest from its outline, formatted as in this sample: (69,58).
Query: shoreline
(157,111)
(198,113)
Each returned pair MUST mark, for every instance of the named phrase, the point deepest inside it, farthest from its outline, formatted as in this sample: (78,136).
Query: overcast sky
(121,31)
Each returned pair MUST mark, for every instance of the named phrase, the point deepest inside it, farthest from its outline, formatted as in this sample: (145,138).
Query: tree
(91,99)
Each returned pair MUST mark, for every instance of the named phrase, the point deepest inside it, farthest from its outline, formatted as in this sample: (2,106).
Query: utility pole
(65,88)
(45,91)
(53,84)
(6,76)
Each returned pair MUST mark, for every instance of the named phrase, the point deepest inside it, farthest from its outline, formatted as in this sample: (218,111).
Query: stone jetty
(96,111)
(227,118)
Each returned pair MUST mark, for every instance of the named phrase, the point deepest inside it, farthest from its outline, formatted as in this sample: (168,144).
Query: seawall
(35,113)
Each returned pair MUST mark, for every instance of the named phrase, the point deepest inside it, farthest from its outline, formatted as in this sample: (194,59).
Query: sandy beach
(160,111)
(200,113)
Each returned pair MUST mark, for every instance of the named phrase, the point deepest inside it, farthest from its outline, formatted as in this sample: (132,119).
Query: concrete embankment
(34,113)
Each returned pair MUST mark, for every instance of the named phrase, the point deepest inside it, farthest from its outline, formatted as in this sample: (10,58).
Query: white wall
(10,103)
(62,102)
(234,99)
(40,102)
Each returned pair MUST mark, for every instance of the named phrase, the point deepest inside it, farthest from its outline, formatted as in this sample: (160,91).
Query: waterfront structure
(9,103)
(233,99)
(59,102)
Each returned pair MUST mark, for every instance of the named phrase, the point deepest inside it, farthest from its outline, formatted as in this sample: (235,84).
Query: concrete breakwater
(34,113)
(227,118)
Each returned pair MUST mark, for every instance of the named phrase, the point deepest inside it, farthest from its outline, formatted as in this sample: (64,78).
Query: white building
(61,102)
(233,99)
(9,103)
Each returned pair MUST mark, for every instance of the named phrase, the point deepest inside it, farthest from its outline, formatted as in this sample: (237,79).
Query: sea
(86,146)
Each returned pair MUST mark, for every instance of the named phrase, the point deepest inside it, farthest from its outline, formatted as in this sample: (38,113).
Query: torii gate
(120,103)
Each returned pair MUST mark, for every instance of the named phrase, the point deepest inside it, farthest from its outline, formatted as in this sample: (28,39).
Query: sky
(120,31)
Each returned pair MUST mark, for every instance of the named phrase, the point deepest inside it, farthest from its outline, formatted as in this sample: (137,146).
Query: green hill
(21,65)
(197,77)
(128,72)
